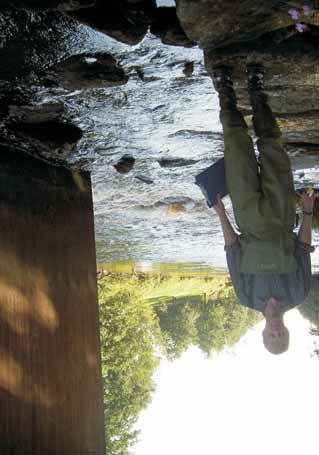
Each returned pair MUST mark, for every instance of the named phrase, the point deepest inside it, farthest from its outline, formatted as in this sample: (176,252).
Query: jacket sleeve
(303,278)
(233,253)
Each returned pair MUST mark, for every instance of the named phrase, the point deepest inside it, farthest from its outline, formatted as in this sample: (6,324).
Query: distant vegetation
(145,316)
(310,311)
(128,336)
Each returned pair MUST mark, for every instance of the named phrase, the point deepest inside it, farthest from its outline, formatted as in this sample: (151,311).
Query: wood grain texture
(50,383)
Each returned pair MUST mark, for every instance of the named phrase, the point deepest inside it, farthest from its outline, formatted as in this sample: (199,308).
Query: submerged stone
(125,164)
(89,70)
(188,69)
(176,208)
(144,179)
(176,162)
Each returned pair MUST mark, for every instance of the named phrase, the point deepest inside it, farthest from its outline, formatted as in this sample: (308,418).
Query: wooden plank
(50,381)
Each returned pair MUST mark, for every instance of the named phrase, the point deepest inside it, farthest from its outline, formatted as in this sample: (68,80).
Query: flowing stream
(155,213)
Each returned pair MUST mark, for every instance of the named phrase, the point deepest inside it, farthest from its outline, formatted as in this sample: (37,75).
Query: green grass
(163,288)
(180,269)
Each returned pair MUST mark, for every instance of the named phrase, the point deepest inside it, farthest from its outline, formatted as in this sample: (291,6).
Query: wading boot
(264,122)
(255,75)
(222,80)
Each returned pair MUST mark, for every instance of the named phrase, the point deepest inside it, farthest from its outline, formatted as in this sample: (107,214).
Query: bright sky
(165,2)
(242,401)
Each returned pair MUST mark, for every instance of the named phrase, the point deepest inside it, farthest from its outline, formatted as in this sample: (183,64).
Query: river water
(166,116)
(156,214)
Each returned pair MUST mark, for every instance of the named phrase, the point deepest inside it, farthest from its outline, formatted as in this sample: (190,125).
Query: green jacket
(254,289)
(268,252)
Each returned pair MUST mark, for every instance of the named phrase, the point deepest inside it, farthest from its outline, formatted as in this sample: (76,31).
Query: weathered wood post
(50,381)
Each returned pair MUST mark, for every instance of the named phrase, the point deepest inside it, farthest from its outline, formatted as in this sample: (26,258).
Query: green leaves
(128,330)
(141,315)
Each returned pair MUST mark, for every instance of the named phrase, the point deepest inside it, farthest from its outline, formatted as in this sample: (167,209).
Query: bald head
(276,342)
(275,333)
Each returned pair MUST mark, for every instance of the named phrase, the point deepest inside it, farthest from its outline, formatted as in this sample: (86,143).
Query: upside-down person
(269,264)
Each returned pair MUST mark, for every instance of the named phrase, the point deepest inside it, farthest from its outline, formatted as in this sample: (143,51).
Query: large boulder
(217,23)
(47,111)
(41,5)
(291,82)
(125,20)
(88,70)
(52,140)
(34,41)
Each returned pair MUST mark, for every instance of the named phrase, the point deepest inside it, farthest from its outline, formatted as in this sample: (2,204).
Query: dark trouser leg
(240,162)
(276,174)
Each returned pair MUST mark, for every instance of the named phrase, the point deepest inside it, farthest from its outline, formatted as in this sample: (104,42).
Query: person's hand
(308,199)
(219,206)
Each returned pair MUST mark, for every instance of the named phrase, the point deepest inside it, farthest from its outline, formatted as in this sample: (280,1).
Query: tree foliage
(210,323)
(140,315)
(310,311)
(128,328)
(178,326)
(223,321)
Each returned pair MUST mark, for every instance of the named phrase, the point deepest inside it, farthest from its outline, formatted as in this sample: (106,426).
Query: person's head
(275,333)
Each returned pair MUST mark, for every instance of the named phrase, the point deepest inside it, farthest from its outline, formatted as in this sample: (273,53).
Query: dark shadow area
(50,400)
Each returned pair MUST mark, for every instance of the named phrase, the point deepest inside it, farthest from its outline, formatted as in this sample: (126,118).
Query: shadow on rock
(49,139)
(126,21)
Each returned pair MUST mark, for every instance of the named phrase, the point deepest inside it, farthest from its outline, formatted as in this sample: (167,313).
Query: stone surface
(144,179)
(175,209)
(125,164)
(218,23)
(62,5)
(123,20)
(37,113)
(188,69)
(89,70)
(167,27)
(302,149)
(51,140)
(259,31)
(291,81)
(27,46)
(176,162)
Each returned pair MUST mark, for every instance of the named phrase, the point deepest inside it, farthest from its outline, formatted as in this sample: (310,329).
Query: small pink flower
(307,10)
(294,13)
(301,27)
